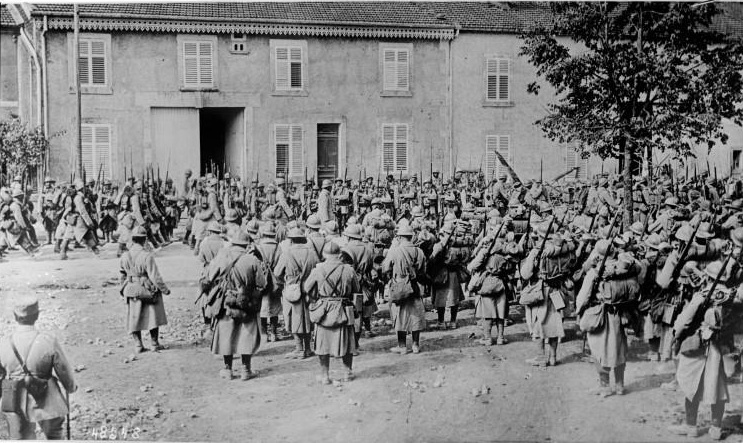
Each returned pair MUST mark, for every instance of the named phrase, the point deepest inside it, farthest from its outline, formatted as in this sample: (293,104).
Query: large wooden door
(327,151)
(175,139)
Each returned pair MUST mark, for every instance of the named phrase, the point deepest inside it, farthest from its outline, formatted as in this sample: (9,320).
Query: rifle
(538,257)
(540,170)
(600,271)
(67,400)
(565,174)
(495,240)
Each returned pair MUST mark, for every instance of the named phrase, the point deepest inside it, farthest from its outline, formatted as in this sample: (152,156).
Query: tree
(20,148)
(647,77)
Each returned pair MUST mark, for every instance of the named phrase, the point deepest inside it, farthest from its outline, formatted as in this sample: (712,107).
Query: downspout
(35,57)
(450,99)
(45,83)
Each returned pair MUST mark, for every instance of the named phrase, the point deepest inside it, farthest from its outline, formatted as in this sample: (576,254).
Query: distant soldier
(331,287)
(107,210)
(315,240)
(292,270)
(48,209)
(325,202)
(85,229)
(19,231)
(143,289)
(28,352)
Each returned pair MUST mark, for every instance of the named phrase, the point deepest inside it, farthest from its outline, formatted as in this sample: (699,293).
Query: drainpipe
(450,98)
(35,57)
(45,83)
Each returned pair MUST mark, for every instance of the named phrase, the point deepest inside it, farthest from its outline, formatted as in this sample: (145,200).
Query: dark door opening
(220,140)
(327,151)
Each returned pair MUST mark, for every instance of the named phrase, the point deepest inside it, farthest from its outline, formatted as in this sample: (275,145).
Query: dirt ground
(454,390)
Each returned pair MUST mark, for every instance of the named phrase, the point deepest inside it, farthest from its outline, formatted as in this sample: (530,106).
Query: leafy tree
(20,148)
(642,77)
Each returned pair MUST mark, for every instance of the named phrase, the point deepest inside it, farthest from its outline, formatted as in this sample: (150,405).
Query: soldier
(267,250)
(48,209)
(325,202)
(107,211)
(331,287)
(20,227)
(283,209)
(86,226)
(501,194)
(143,290)
(404,265)
(236,313)
(360,256)
(315,239)
(618,289)
(29,353)
(342,201)
(444,268)
(548,271)
(292,270)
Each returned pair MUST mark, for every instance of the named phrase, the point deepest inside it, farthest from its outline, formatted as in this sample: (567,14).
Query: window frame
(497,102)
(94,146)
(395,141)
(496,163)
(385,46)
(107,87)
(291,127)
(579,161)
(198,39)
(275,44)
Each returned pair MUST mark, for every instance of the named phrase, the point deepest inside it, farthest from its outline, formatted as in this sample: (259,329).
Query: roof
(730,20)
(5,18)
(501,17)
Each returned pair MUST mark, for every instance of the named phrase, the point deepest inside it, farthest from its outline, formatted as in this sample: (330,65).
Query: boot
(274,332)
(57,246)
(63,250)
(186,237)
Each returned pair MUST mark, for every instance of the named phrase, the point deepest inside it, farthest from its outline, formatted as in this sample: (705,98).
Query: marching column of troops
(324,257)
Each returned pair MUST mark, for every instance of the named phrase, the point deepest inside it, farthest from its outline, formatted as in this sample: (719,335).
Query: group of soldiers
(324,257)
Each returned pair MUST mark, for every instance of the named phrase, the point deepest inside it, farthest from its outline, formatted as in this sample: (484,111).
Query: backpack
(267,269)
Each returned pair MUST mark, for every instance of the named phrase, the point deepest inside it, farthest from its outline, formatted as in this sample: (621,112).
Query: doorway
(221,140)
(327,151)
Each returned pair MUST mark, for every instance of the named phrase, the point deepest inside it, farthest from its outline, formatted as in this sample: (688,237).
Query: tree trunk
(626,149)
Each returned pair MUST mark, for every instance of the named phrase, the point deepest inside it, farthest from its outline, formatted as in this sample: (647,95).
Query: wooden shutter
(297,151)
(282,141)
(282,68)
(401,148)
(501,144)
(498,79)
(98,62)
(573,159)
(96,143)
(83,62)
(206,67)
(295,68)
(88,143)
(388,148)
(190,63)
(396,66)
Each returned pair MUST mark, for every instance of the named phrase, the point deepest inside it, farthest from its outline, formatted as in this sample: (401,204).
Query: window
(288,142)
(498,80)
(502,145)
(96,141)
(239,43)
(573,159)
(395,147)
(396,69)
(198,62)
(93,63)
(289,68)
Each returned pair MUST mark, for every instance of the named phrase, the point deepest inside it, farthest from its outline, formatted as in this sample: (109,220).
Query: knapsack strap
(330,282)
(18,355)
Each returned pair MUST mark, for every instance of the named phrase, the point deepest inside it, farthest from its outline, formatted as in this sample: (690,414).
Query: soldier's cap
(91,181)
(602,246)
(417,211)
(189,172)
(295,233)
(386,200)
(353,231)
(107,182)
(280,181)
(705,230)
(331,249)
(405,230)
(167,180)
(313,222)
(268,229)
(327,184)
(26,307)
(684,232)
(17,178)
(637,228)
(139,232)
(240,238)
(502,176)
(352,220)
(17,192)
(450,199)
(653,241)
(338,179)
(79,184)
(735,205)
(49,180)
(215,227)
(261,185)
(671,201)
(426,182)
(331,227)
(376,201)
(736,235)
(231,215)
(252,226)
(713,269)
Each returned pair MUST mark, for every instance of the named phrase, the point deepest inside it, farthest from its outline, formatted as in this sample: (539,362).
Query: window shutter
(282,68)
(390,78)
(401,148)
(491,144)
(86,134)
(190,63)
(295,68)
(504,75)
(102,147)
(297,151)
(282,147)
(83,61)
(402,70)
(388,147)
(206,75)
(396,66)
(98,62)
(573,159)
(501,144)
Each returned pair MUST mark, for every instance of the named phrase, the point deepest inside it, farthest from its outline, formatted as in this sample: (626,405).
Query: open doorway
(221,140)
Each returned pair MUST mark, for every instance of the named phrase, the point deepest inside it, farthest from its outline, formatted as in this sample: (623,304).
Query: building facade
(317,89)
